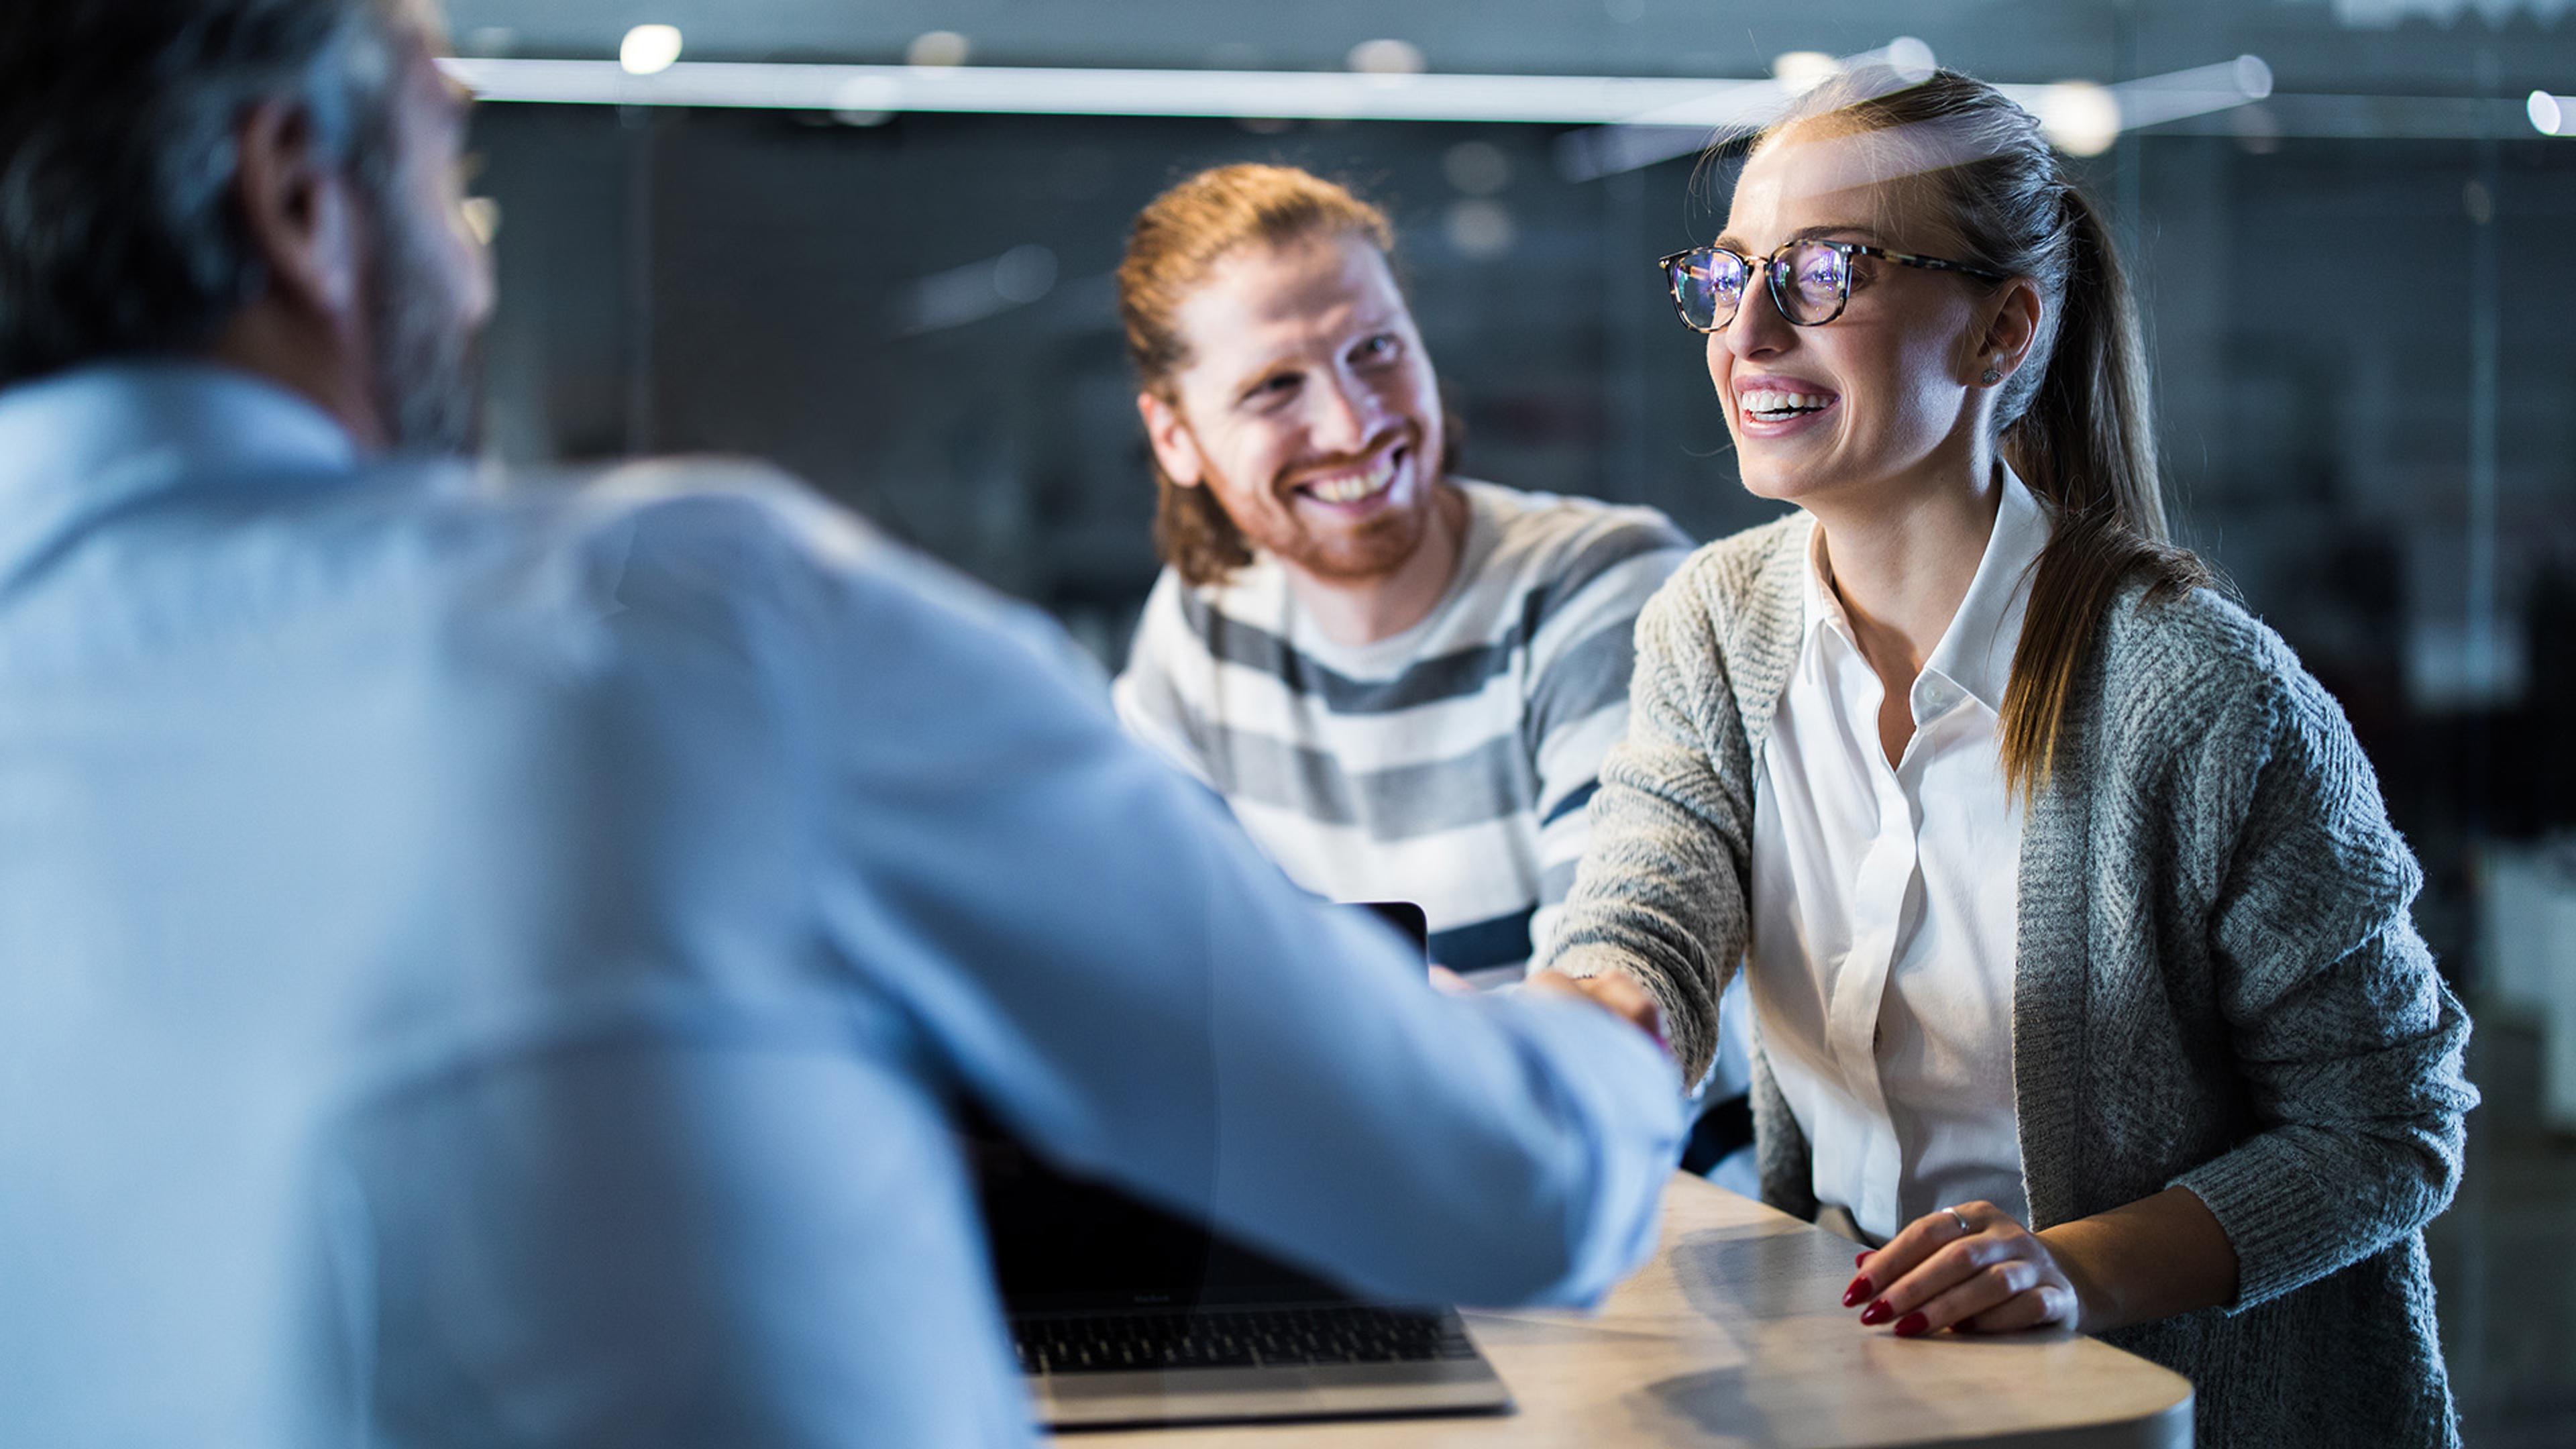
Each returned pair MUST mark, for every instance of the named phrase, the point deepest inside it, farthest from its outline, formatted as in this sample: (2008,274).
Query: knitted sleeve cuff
(2275,1205)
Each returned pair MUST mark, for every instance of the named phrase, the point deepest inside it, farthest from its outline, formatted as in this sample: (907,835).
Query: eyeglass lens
(1708,285)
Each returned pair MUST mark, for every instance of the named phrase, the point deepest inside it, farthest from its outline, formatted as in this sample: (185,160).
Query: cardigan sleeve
(1661,891)
(2348,1040)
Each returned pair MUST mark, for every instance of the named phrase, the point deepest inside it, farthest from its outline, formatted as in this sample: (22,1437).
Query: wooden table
(1733,1335)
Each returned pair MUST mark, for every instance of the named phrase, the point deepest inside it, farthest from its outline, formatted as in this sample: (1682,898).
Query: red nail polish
(1911,1324)
(1860,1257)
(1876,1313)
(1857,1292)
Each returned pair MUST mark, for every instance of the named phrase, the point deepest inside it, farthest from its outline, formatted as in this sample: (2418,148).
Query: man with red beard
(1401,681)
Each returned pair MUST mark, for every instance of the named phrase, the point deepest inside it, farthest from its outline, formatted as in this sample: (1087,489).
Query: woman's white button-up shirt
(1884,902)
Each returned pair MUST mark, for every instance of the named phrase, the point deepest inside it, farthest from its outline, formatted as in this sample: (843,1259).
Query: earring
(1991,378)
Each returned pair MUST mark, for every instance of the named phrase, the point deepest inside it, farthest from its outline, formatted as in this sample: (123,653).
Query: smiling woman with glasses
(2077,935)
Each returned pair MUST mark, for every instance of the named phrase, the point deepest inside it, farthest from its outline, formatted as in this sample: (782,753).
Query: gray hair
(118,232)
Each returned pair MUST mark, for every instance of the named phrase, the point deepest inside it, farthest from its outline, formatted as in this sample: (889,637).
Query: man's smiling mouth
(1355,485)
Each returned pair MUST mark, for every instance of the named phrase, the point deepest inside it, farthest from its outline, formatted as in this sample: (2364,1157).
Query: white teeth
(1352,487)
(1783,402)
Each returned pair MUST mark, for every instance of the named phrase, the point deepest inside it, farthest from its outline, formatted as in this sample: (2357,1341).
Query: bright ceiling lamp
(2550,115)
(2085,119)
(2079,118)
(1803,70)
(649,49)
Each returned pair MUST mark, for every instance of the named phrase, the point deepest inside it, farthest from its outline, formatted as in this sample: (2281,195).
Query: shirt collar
(1976,651)
(75,443)
(113,417)
(1824,610)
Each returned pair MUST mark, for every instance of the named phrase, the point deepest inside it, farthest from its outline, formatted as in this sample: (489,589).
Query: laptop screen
(1061,1242)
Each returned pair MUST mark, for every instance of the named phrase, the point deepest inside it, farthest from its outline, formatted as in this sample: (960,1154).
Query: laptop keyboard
(1237,1338)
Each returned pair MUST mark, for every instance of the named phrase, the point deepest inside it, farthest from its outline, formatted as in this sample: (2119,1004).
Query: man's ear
(2010,329)
(1175,447)
(298,214)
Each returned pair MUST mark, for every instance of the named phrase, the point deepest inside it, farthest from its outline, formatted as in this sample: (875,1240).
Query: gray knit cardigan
(2217,981)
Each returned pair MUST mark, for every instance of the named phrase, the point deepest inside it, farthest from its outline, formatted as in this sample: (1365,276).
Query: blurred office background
(2358,252)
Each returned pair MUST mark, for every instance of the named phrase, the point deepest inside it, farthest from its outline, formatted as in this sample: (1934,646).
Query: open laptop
(1125,1315)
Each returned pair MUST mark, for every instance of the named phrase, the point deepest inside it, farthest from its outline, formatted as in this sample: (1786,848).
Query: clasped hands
(1619,995)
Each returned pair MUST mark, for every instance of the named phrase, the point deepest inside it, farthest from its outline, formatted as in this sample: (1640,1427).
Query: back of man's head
(120,229)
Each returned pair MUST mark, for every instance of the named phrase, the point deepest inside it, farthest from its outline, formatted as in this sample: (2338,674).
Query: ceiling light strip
(1657,117)
(1298,95)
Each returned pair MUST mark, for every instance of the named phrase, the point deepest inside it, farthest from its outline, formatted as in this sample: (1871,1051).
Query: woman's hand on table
(2138,1263)
(1972,1268)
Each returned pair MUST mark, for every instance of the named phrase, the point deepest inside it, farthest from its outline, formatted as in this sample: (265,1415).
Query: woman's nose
(1757,329)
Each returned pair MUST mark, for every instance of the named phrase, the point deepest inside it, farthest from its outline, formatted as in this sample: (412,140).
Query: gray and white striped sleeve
(1147,694)
(1582,653)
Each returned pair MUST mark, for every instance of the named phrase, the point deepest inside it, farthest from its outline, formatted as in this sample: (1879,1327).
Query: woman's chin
(1780,485)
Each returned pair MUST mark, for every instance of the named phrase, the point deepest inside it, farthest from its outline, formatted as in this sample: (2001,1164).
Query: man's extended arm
(1124,980)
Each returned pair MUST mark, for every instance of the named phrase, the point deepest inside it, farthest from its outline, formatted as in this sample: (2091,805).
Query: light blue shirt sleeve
(707,1219)
(1097,953)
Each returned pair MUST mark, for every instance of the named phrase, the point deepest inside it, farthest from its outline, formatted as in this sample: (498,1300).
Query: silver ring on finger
(1966,1228)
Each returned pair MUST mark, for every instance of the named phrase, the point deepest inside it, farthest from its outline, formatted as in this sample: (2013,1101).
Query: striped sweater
(1448,765)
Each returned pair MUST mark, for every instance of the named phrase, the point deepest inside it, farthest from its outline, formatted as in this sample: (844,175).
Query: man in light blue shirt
(496,966)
